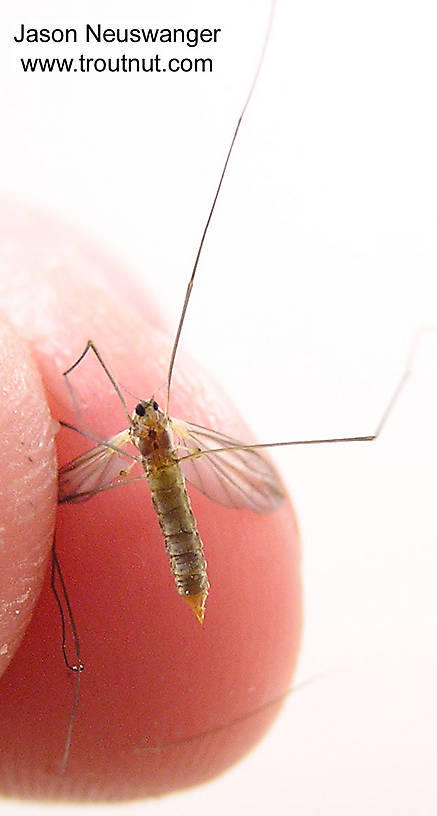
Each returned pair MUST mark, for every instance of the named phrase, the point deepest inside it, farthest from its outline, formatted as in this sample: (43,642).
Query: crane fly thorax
(150,430)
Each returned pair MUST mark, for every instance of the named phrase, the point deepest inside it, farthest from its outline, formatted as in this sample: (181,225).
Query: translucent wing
(95,470)
(236,478)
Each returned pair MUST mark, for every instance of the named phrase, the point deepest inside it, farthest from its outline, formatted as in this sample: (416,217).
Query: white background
(319,268)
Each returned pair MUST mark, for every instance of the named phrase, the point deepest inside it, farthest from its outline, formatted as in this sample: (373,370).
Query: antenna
(217,192)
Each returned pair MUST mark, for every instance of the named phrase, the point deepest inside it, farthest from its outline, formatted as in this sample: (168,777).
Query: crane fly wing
(236,478)
(94,470)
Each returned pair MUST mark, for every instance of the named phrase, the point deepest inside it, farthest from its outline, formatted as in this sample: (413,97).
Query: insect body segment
(150,432)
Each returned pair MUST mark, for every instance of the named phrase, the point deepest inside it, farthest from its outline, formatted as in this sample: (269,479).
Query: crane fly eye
(155,406)
(140,409)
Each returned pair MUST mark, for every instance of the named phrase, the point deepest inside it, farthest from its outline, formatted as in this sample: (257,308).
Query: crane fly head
(148,425)
(147,414)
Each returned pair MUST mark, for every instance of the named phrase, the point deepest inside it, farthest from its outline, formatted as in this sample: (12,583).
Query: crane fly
(171,451)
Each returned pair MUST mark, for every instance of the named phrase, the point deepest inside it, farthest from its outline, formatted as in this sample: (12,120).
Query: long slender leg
(93,347)
(78,666)
(368,438)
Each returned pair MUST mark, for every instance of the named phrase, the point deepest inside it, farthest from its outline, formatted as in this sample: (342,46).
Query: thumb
(27,489)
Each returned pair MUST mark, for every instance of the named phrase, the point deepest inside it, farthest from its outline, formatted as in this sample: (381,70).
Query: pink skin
(164,702)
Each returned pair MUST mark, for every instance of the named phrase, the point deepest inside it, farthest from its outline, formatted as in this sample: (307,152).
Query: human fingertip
(27,488)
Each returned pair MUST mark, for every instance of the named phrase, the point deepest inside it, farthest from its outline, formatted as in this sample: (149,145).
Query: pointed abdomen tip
(197,604)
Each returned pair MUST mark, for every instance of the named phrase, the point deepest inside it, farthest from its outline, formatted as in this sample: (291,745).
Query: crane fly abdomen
(151,434)
(182,541)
